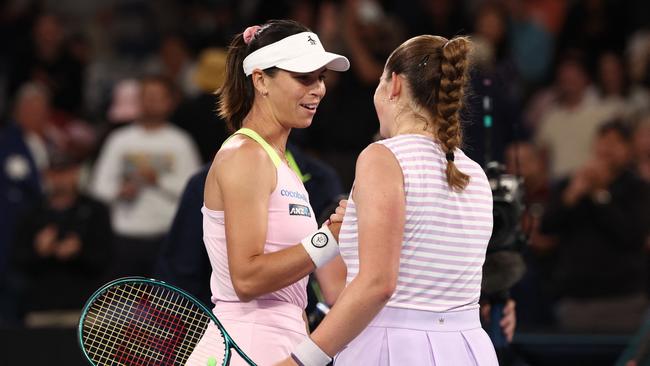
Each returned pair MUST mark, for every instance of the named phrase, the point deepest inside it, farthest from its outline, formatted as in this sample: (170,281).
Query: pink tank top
(290,219)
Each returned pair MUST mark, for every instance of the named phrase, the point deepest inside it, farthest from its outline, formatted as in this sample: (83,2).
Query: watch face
(319,240)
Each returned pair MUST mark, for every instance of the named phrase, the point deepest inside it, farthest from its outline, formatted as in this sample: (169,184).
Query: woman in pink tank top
(416,227)
(259,228)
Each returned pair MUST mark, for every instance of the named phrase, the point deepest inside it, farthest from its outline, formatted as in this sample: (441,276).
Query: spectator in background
(641,151)
(23,155)
(174,62)
(197,114)
(641,143)
(125,105)
(638,57)
(533,292)
(443,17)
(362,30)
(494,76)
(532,27)
(594,25)
(525,160)
(61,249)
(599,216)
(567,129)
(141,172)
(614,85)
(637,64)
(48,60)
(612,80)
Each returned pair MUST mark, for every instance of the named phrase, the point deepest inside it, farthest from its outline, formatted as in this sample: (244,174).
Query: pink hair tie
(249,33)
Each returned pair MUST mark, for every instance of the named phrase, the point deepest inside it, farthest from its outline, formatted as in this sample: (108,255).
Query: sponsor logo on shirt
(293,194)
(299,210)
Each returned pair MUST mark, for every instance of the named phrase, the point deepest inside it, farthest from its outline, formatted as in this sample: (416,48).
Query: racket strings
(138,321)
(142,324)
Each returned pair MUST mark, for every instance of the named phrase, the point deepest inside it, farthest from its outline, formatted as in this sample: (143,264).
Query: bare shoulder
(240,152)
(377,159)
(377,171)
(242,162)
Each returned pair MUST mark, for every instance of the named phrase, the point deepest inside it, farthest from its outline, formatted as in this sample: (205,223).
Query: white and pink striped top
(446,232)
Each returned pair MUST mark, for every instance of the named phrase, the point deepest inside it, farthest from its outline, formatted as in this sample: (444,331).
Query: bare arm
(331,279)
(241,182)
(379,196)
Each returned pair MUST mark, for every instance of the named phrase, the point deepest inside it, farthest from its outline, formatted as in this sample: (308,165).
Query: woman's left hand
(336,219)
(339,213)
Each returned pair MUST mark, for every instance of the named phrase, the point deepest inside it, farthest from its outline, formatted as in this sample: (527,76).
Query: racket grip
(321,246)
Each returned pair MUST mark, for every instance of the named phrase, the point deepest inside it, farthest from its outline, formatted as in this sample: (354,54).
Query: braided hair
(437,71)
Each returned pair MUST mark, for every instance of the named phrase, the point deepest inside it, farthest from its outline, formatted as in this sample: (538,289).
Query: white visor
(300,52)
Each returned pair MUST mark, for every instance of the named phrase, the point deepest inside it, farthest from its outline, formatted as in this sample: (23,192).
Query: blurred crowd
(108,107)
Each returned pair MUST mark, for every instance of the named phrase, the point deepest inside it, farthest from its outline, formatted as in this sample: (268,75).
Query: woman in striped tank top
(259,229)
(417,226)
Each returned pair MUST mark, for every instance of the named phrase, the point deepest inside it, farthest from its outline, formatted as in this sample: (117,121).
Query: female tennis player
(259,228)
(416,228)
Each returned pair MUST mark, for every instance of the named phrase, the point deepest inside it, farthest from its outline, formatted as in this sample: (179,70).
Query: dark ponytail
(237,93)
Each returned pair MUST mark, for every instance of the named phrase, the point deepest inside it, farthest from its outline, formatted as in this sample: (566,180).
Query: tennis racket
(137,321)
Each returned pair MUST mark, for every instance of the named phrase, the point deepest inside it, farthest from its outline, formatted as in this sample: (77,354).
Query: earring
(264,94)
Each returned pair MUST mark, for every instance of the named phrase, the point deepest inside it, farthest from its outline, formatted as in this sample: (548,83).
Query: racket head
(142,321)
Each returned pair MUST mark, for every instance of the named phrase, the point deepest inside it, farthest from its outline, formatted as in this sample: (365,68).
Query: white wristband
(309,354)
(321,246)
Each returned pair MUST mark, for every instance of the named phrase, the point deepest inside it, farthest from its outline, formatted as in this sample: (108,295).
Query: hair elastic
(450,156)
(249,33)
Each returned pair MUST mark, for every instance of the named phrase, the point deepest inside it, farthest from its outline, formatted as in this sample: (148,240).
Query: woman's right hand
(335,220)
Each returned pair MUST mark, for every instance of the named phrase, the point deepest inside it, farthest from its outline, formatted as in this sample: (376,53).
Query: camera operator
(598,216)
(504,265)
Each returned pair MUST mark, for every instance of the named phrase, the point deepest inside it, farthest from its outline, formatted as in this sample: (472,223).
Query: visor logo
(311,40)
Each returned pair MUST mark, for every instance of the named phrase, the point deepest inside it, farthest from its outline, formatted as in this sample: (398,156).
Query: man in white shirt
(141,172)
(569,127)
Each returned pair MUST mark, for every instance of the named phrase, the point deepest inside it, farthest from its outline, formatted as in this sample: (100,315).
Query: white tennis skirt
(421,338)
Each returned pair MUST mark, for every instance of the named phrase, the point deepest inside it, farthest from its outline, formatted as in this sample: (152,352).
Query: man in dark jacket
(600,218)
(61,248)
